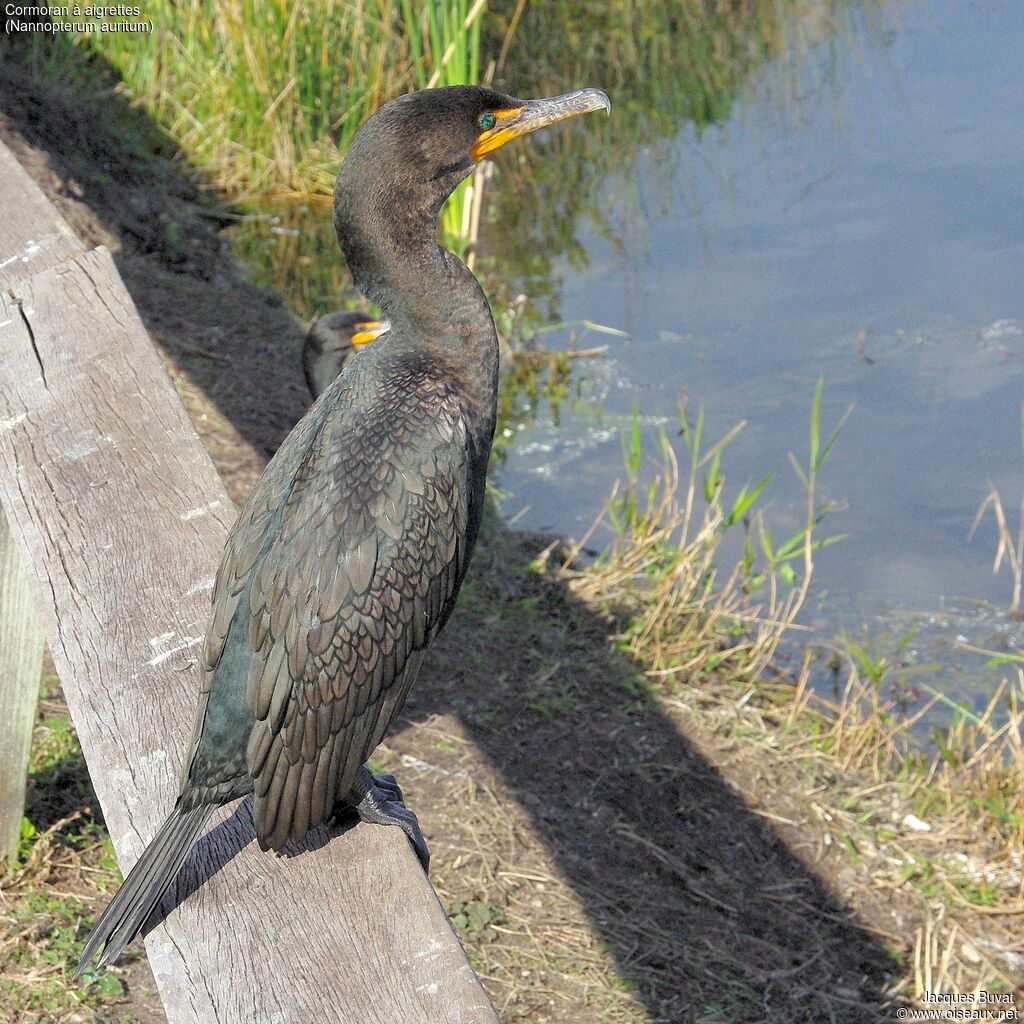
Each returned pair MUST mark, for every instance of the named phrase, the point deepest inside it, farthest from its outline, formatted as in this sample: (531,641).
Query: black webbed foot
(378,799)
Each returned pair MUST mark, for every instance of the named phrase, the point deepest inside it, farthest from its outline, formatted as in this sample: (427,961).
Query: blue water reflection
(876,238)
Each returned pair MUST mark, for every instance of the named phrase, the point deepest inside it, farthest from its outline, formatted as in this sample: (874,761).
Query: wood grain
(21,661)
(120,518)
(33,235)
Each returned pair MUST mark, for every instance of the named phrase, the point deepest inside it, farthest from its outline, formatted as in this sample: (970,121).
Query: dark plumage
(347,558)
(332,338)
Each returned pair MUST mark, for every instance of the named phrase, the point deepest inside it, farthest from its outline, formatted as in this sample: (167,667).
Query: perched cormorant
(332,338)
(347,558)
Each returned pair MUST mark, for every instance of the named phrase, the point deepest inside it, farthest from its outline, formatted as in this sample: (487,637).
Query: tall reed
(266,95)
(445,41)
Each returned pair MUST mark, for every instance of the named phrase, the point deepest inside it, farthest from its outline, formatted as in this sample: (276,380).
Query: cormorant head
(435,137)
(344,329)
(408,157)
(331,340)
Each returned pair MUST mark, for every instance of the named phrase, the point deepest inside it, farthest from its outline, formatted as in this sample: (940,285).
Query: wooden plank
(33,235)
(120,519)
(21,661)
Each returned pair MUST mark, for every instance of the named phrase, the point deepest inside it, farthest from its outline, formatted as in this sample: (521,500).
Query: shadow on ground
(659,863)
(704,909)
(118,180)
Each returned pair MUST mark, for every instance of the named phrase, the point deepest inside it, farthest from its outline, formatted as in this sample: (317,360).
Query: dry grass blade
(1006,547)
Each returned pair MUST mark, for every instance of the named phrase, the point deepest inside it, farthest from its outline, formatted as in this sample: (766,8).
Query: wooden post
(33,236)
(21,660)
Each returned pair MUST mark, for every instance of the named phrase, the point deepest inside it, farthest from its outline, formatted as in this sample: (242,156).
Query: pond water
(851,211)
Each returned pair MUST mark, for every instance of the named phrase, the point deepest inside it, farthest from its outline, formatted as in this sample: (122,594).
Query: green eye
(488,121)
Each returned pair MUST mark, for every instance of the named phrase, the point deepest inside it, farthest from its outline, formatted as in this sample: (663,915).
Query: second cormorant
(331,340)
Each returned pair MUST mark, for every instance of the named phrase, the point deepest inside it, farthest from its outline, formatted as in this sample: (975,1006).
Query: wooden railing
(114,519)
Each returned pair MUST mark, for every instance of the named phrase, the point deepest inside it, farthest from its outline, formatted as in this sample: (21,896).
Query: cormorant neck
(389,244)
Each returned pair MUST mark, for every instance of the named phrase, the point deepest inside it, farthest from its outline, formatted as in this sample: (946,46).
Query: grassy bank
(939,825)
(264,96)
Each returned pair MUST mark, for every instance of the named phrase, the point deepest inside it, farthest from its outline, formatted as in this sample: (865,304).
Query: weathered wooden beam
(21,661)
(33,235)
(120,519)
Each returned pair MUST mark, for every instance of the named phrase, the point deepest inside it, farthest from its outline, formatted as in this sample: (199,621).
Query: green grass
(476,919)
(42,927)
(51,930)
(265,95)
(56,742)
(445,43)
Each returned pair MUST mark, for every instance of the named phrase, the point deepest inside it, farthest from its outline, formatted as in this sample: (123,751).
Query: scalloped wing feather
(345,599)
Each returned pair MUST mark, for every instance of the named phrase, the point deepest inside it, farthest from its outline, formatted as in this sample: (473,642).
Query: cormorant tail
(146,883)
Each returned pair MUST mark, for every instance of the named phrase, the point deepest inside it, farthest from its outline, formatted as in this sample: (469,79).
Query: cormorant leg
(387,781)
(378,799)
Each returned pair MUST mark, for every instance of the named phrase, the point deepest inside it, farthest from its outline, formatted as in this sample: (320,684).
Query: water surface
(872,235)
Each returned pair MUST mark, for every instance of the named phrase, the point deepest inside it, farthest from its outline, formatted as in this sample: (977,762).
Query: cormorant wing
(356,568)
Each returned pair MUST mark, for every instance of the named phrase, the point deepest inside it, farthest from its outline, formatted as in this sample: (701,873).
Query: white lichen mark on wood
(194,513)
(188,641)
(198,588)
(31,248)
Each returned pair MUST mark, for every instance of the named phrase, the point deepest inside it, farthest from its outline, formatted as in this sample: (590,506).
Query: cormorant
(347,558)
(332,338)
